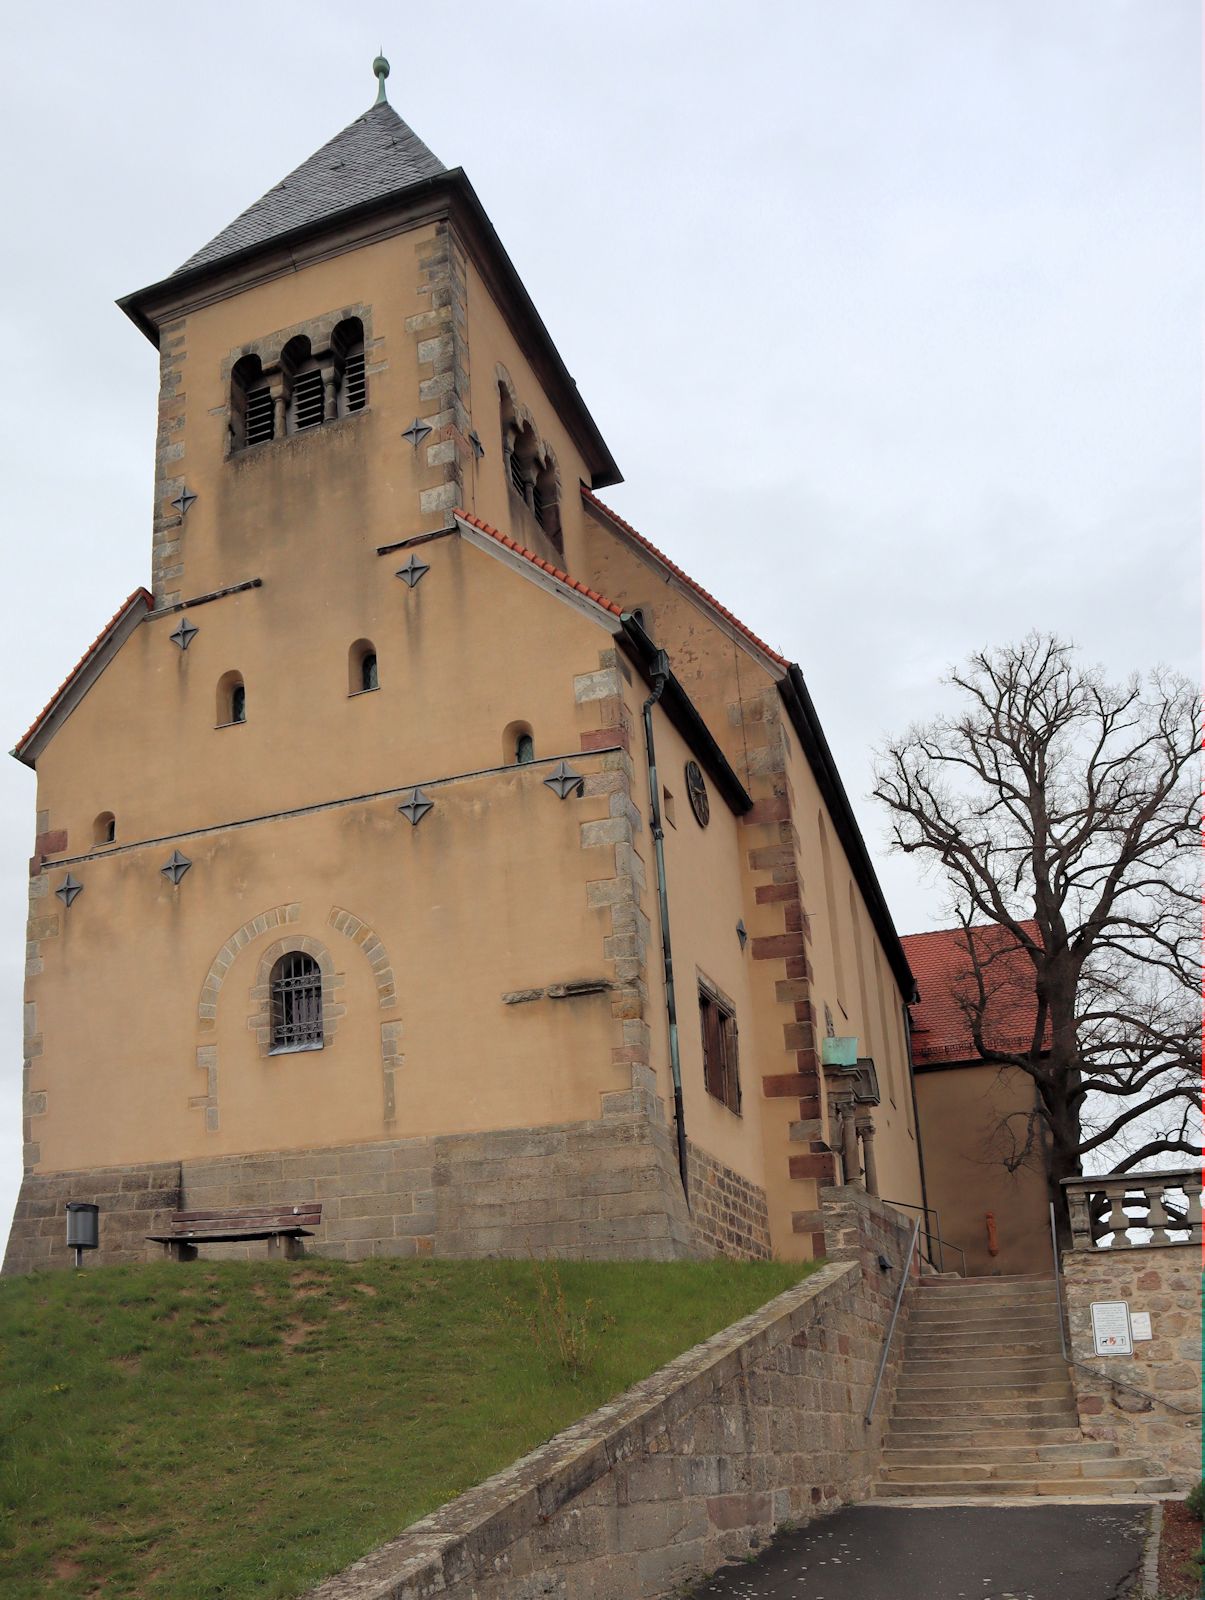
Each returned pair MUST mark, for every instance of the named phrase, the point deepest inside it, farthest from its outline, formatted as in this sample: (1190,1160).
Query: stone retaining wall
(606,1190)
(762,1425)
(133,1201)
(1166,1282)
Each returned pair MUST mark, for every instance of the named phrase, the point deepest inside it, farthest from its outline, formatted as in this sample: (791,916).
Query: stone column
(866,1131)
(849,1142)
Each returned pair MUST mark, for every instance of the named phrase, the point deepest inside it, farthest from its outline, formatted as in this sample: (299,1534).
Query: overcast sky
(889,311)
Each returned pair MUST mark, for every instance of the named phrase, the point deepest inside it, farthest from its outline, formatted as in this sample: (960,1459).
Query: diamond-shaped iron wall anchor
(183,501)
(475,441)
(68,889)
(412,571)
(742,933)
(415,806)
(563,781)
(416,432)
(185,633)
(176,866)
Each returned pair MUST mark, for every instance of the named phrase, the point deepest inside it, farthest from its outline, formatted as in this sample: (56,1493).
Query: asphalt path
(1042,1552)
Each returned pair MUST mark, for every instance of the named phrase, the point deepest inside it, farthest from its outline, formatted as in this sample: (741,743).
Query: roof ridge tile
(558,573)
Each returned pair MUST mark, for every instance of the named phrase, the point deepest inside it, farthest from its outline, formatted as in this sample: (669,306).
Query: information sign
(1140,1325)
(1111,1334)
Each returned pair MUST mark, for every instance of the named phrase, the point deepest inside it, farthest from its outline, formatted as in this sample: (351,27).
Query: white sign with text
(1111,1334)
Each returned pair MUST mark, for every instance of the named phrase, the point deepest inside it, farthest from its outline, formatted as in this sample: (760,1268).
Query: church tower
(361,830)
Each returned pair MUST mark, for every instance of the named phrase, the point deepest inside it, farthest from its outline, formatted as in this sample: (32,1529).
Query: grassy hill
(242,1430)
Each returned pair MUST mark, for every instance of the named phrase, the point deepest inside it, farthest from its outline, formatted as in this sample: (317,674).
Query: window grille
(296,1003)
(721,1072)
(260,416)
(518,481)
(355,383)
(525,749)
(368,671)
(308,400)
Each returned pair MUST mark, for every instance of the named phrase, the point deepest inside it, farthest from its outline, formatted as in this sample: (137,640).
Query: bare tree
(1063,813)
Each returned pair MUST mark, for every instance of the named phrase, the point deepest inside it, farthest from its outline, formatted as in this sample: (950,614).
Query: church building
(422,841)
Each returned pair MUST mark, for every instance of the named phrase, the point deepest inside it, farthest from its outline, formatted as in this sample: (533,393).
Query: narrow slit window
(525,749)
(104,829)
(296,988)
(232,699)
(362,671)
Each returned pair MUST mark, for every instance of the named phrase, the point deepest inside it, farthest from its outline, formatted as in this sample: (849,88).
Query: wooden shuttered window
(721,1070)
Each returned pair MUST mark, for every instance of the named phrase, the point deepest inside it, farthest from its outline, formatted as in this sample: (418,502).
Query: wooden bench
(284,1227)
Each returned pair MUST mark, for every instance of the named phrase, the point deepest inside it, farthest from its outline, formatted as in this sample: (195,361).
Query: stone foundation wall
(1166,1282)
(729,1213)
(133,1201)
(605,1189)
(760,1426)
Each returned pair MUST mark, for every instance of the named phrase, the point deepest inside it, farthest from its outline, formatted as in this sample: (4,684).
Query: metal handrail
(932,1211)
(895,1311)
(1058,1282)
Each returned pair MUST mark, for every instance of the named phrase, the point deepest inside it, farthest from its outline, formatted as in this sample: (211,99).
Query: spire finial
(381,67)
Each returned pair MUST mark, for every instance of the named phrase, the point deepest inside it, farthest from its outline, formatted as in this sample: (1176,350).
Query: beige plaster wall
(321,496)
(703,873)
(961,1111)
(486,896)
(145,744)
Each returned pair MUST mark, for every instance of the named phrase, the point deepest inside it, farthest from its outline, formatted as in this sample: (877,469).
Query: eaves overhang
(446,194)
(806,723)
(684,715)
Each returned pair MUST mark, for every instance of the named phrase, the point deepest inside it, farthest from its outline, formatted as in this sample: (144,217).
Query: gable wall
(489,894)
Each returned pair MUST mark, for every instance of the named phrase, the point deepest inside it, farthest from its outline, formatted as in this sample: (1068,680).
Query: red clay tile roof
(89,654)
(941,965)
(685,576)
(538,561)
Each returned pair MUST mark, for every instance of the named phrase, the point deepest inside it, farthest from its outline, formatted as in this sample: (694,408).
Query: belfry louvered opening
(351,376)
(355,383)
(308,400)
(259,415)
(252,408)
(296,987)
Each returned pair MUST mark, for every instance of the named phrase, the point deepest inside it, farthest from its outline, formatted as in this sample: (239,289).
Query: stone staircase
(984,1404)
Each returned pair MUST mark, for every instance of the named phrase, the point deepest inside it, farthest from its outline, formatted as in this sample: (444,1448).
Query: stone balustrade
(1135,1210)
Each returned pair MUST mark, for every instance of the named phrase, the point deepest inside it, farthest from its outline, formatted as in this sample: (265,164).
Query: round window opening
(697,790)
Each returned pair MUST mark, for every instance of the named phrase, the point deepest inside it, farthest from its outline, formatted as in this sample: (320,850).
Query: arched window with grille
(296,994)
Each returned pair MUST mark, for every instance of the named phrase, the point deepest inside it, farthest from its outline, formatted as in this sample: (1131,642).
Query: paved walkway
(1042,1552)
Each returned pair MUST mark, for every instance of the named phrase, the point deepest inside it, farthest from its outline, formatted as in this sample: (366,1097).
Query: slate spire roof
(373,157)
